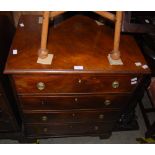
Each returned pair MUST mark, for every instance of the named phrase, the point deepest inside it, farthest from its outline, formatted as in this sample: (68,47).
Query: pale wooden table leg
(43,52)
(115,54)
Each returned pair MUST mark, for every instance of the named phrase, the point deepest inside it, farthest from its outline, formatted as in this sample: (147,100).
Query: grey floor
(123,137)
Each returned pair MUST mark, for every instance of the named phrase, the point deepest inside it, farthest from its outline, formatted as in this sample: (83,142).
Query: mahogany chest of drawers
(57,100)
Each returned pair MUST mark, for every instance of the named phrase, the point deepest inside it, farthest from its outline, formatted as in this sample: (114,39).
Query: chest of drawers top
(77,41)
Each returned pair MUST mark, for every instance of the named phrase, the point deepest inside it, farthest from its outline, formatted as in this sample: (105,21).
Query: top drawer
(75,83)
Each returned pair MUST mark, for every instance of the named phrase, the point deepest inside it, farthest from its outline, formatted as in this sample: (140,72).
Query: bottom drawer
(68,129)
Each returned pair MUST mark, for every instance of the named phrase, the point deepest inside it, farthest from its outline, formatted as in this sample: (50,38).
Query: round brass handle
(73,115)
(115,84)
(45,129)
(101,116)
(79,81)
(96,128)
(76,99)
(44,118)
(41,86)
(107,102)
(43,102)
(71,126)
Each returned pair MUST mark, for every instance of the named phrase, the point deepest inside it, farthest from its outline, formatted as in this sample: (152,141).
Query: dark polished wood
(61,84)
(67,129)
(56,100)
(70,116)
(73,102)
(71,46)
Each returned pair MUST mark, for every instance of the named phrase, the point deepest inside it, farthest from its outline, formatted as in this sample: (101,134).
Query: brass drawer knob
(44,118)
(43,102)
(71,126)
(76,99)
(101,116)
(41,86)
(45,129)
(73,114)
(107,102)
(115,84)
(96,128)
(79,81)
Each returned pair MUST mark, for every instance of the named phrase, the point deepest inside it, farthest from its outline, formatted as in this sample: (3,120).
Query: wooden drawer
(67,129)
(73,102)
(71,116)
(73,83)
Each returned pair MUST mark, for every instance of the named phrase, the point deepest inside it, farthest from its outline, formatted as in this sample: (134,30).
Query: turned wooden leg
(115,54)
(43,51)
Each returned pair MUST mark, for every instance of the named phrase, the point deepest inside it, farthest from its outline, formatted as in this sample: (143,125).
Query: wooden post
(43,51)
(56,13)
(115,54)
(107,15)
